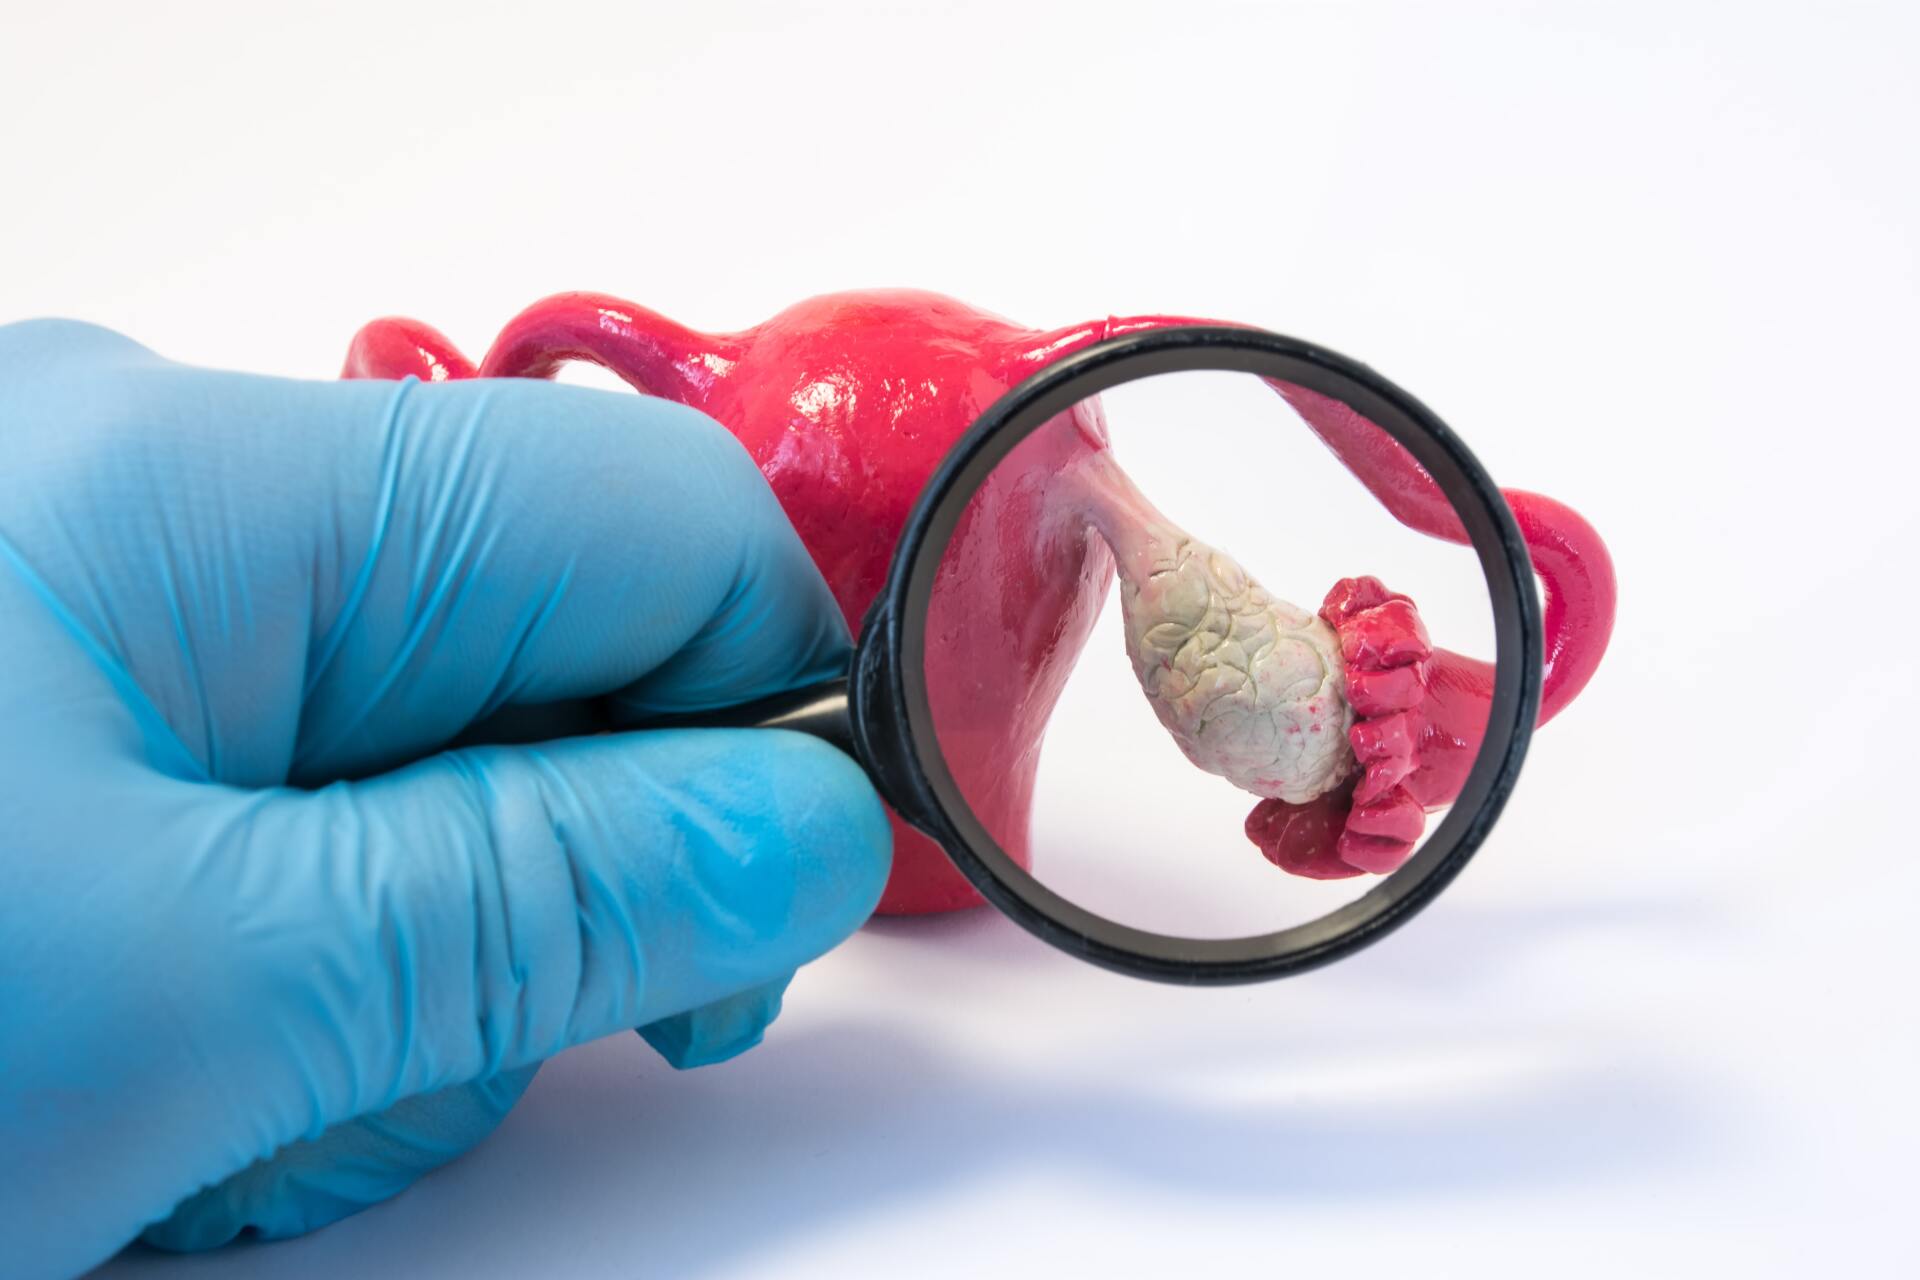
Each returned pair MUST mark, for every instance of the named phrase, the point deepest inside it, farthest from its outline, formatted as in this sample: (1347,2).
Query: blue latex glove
(239,992)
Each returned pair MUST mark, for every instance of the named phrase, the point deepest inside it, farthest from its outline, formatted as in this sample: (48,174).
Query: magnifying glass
(1133,858)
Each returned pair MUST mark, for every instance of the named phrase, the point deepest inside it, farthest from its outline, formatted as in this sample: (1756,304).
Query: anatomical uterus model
(1346,722)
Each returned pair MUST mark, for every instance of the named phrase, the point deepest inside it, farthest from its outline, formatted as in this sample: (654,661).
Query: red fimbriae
(848,402)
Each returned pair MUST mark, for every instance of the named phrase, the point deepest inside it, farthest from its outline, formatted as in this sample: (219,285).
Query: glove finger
(718,1031)
(356,1164)
(536,546)
(361,1162)
(313,580)
(487,908)
(54,347)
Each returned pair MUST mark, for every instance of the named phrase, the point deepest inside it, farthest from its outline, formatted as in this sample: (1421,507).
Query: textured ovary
(1248,686)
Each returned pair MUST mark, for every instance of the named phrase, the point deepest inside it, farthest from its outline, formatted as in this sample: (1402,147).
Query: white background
(1657,260)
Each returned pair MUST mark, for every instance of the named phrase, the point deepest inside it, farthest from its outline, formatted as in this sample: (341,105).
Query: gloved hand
(263,931)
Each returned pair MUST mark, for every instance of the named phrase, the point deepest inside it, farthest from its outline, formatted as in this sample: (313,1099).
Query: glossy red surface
(1576,573)
(848,402)
(397,347)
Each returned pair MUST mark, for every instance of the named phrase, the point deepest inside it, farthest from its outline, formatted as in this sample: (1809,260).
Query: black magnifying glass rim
(893,719)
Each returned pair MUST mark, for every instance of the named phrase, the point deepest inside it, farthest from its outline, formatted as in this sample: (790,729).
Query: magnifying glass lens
(1189,673)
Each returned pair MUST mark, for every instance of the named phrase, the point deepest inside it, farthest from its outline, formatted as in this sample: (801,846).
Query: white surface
(1656,260)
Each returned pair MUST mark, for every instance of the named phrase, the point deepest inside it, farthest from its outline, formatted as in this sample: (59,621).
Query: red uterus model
(848,402)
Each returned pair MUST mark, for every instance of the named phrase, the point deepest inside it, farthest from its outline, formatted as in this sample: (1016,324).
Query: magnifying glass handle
(818,709)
